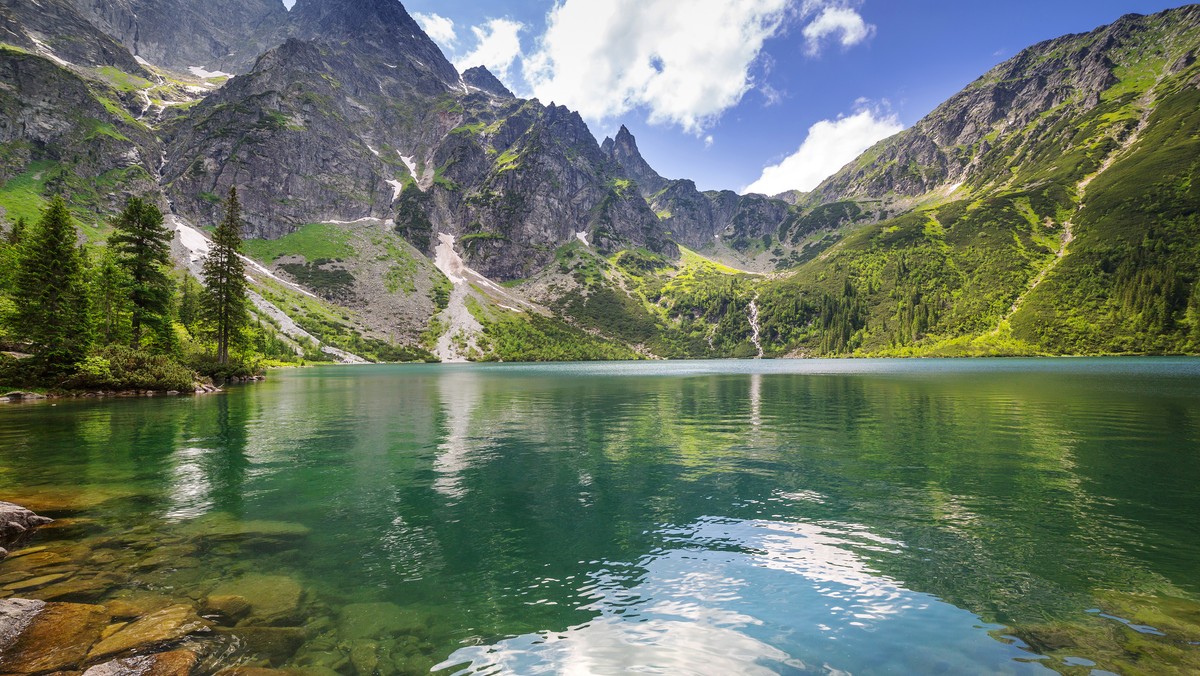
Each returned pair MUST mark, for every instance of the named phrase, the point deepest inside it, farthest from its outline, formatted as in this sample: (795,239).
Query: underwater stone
(226,609)
(273,599)
(37,637)
(222,526)
(377,620)
(174,663)
(275,644)
(165,625)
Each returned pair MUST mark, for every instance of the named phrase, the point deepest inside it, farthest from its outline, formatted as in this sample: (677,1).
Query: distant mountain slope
(1055,210)
(698,218)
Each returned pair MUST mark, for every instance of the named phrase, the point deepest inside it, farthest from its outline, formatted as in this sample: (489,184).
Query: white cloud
(830,145)
(684,62)
(709,141)
(498,44)
(833,19)
(437,27)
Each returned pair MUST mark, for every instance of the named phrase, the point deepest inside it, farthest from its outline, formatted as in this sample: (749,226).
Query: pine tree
(189,303)
(17,231)
(110,298)
(224,275)
(51,294)
(143,248)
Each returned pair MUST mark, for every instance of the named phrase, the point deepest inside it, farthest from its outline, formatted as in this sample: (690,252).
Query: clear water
(923,516)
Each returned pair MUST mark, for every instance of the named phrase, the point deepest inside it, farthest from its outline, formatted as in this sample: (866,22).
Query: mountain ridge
(993,225)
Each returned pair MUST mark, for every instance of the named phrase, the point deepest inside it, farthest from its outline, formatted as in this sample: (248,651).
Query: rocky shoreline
(178,600)
(20,396)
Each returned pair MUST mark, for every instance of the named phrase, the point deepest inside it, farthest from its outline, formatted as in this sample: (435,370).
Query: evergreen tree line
(118,315)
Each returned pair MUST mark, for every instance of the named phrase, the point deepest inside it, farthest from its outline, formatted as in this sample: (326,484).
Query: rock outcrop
(214,35)
(16,523)
(697,218)
(481,78)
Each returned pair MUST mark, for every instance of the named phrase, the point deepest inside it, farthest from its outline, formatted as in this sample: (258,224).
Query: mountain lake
(724,517)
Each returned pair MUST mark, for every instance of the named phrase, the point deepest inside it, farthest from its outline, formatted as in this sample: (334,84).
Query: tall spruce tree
(17,231)
(143,249)
(111,306)
(224,300)
(51,293)
(190,293)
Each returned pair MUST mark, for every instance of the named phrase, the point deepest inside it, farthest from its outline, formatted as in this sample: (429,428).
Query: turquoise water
(920,516)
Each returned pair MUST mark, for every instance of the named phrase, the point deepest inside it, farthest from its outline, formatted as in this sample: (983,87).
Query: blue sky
(720,90)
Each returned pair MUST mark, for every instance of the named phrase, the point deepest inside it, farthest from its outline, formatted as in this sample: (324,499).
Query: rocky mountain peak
(482,78)
(624,151)
(381,29)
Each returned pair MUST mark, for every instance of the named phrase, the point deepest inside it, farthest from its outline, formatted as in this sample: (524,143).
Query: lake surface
(919,516)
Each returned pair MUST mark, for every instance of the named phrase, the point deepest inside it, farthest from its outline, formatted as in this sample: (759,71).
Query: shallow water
(919,516)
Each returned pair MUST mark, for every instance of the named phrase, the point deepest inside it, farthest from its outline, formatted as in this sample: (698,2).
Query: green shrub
(117,367)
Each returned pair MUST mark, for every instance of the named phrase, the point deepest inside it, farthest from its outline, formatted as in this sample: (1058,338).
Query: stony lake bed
(926,516)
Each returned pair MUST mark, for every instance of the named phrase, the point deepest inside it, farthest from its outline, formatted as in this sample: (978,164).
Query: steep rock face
(321,128)
(624,151)
(1002,117)
(377,30)
(370,119)
(49,113)
(482,78)
(56,29)
(179,34)
(515,181)
(313,133)
(696,218)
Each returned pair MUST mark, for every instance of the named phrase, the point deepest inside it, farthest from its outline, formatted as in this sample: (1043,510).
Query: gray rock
(481,78)
(16,523)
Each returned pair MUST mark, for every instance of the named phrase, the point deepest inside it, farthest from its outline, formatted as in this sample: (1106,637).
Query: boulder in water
(168,624)
(273,599)
(17,522)
(38,637)
(174,663)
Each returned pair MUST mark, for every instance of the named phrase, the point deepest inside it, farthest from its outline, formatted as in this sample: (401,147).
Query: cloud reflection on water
(723,598)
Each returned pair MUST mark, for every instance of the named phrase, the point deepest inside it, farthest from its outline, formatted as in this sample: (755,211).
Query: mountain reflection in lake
(696,517)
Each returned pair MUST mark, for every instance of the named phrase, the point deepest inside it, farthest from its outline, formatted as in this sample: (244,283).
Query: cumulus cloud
(684,62)
(829,146)
(437,27)
(498,44)
(833,19)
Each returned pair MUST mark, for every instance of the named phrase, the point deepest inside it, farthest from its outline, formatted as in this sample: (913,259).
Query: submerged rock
(168,624)
(34,582)
(129,605)
(16,522)
(260,671)
(38,637)
(174,663)
(277,645)
(224,526)
(62,501)
(273,599)
(377,620)
(226,609)
(77,589)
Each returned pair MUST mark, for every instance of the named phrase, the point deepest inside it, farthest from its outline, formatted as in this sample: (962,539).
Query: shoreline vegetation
(17,394)
(115,318)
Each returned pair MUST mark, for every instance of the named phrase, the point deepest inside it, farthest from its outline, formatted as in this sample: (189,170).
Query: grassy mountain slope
(1069,228)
